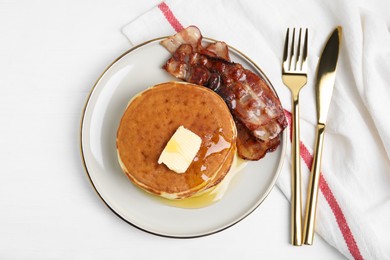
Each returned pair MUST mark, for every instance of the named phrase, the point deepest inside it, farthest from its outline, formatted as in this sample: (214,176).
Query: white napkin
(354,200)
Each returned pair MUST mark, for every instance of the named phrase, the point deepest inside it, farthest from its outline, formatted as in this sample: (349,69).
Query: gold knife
(326,73)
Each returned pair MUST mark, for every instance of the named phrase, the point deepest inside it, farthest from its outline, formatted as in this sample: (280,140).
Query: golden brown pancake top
(152,118)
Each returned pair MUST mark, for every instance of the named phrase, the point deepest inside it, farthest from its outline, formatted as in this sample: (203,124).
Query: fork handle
(296,197)
(312,193)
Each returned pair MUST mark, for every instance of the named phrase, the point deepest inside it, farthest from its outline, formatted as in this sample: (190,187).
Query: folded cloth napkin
(354,199)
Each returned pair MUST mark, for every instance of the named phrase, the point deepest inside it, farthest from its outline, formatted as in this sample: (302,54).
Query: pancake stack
(153,116)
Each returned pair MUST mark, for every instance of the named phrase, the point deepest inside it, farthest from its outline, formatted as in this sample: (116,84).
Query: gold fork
(294,75)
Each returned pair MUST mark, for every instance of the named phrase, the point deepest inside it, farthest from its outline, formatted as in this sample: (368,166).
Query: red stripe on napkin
(170,17)
(307,158)
(330,198)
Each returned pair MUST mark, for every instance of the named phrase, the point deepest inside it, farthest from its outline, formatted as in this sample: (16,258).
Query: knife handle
(296,197)
(312,193)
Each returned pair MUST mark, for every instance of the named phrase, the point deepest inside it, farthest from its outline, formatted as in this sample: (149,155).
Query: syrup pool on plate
(213,195)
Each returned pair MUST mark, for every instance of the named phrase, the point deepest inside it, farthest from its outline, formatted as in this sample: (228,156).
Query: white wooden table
(51,53)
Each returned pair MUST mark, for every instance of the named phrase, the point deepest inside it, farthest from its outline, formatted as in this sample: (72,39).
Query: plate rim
(283,146)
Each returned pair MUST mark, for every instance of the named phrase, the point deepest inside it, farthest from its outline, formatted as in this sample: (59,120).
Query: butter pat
(180,150)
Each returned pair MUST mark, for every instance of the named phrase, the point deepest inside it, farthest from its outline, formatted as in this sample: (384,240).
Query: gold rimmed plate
(133,72)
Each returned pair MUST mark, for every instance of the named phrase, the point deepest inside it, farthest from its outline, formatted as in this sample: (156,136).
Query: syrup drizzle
(212,195)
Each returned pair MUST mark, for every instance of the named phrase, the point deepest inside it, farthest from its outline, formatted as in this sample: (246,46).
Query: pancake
(152,117)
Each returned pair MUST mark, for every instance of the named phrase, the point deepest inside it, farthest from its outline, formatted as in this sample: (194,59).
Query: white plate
(131,73)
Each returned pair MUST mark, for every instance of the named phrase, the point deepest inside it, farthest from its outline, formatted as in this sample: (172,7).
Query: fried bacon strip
(249,147)
(257,111)
(192,36)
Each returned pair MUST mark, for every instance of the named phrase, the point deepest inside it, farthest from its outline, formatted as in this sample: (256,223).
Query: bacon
(250,148)
(256,109)
(191,35)
(217,50)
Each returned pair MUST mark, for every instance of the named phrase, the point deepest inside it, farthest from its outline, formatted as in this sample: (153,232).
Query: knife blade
(326,73)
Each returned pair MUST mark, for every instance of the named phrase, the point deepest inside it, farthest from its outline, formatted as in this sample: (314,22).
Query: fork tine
(297,63)
(285,52)
(292,55)
(304,64)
